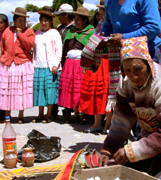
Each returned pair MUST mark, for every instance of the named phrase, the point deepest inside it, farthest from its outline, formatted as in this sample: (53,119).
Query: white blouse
(41,40)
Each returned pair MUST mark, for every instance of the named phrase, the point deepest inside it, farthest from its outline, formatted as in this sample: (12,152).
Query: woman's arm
(57,49)
(151,21)
(3,44)
(107,26)
(150,146)
(123,120)
(27,39)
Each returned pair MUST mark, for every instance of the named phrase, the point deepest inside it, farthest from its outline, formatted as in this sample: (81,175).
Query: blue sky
(6,6)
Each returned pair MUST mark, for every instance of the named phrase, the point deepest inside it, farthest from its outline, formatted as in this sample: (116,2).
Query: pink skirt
(70,84)
(16,86)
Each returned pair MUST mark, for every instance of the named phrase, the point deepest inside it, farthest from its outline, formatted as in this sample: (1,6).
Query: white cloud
(7,6)
(89,6)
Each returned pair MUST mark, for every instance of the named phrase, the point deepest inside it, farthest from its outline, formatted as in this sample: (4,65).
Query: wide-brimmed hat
(102,4)
(82,11)
(64,8)
(47,10)
(20,12)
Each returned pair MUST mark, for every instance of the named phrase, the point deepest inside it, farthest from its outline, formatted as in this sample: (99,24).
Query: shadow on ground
(81,145)
(76,126)
(27,119)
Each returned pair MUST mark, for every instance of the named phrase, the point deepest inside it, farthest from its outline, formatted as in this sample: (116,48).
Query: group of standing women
(37,79)
(23,85)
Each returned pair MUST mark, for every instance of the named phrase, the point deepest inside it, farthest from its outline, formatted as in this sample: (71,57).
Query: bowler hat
(101,5)
(47,10)
(82,11)
(20,12)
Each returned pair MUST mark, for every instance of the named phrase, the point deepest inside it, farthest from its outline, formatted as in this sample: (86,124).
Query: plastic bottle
(8,137)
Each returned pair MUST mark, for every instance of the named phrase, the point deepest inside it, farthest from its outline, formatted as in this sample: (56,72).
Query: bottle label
(9,145)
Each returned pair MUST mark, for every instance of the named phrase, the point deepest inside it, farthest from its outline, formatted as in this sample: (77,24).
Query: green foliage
(56,22)
(32,8)
(91,12)
(36,27)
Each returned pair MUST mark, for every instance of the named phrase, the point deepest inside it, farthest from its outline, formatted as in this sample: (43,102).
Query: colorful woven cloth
(93,52)
(31,172)
(136,48)
(115,73)
(66,172)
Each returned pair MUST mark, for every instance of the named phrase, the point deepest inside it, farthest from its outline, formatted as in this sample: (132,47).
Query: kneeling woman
(138,98)
(72,74)
(47,57)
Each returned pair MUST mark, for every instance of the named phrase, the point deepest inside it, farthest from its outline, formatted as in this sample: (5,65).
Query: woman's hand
(54,70)
(18,30)
(103,160)
(120,157)
(83,70)
(115,39)
(102,34)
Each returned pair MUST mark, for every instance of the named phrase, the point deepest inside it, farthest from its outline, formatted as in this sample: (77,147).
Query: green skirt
(46,87)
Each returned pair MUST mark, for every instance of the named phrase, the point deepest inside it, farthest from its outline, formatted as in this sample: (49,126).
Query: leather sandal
(72,120)
(46,121)
(38,119)
(20,120)
(83,121)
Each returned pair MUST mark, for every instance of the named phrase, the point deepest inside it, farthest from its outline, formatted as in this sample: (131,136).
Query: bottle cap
(7,118)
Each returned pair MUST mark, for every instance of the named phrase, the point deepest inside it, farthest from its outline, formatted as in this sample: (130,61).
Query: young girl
(3,26)
(47,57)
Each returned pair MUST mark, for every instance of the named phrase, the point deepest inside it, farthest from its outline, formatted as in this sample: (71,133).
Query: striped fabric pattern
(115,73)
(93,52)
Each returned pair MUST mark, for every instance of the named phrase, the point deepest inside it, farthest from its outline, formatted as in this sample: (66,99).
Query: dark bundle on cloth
(44,147)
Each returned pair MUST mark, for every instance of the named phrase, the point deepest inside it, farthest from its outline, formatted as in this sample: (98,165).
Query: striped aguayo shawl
(91,59)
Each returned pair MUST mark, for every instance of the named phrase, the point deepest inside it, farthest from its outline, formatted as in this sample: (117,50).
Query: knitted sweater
(134,18)
(134,104)
(19,50)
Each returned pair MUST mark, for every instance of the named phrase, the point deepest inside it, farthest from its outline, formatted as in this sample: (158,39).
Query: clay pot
(10,159)
(27,157)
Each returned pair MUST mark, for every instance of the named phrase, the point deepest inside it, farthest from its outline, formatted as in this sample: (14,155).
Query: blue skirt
(46,87)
